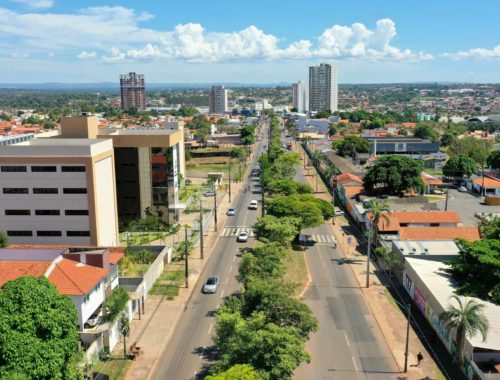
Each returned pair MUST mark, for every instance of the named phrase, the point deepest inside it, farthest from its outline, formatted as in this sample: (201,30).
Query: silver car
(211,285)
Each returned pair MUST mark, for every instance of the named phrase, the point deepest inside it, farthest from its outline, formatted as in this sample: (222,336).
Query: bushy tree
(272,229)
(491,228)
(263,262)
(4,239)
(236,372)
(394,175)
(288,187)
(426,131)
(459,166)
(350,146)
(38,331)
(493,160)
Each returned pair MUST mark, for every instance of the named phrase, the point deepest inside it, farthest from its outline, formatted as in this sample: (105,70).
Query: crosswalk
(323,239)
(235,231)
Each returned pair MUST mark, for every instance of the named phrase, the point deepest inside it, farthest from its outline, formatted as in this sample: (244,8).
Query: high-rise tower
(133,91)
(323,88)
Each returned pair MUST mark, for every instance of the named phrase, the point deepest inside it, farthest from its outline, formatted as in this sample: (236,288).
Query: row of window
(44,190)
(40,168)
(47,233)
(47,212)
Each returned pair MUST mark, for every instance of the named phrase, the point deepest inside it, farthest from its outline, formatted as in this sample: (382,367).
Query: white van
(253,205)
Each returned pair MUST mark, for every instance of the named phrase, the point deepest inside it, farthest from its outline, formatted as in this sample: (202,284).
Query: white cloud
(36,3)
(87,55)
(478,53)
(114,34)
(19,55)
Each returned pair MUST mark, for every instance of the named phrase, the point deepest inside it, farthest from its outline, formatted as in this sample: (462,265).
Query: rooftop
(75,278)
(56,147)
(488,182)
(439,233)
(427,247)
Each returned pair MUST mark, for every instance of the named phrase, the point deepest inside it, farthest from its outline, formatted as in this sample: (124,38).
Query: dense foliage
(282,230)
(394,175)
(4,239)
(459,166)
(38,331)
(477,269)
(288,187)
(493,160)
(237,372)
(115,304)
(350,146)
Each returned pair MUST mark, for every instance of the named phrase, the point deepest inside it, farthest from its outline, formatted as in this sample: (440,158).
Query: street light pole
(230,180)
(215,207)
(447,197)
(408,316)
(186,255)
(368,255)
(201,231)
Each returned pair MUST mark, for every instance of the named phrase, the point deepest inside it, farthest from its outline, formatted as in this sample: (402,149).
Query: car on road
(242,237)
(255,172)
(339,212)
(209,193)
(231,211)
(462,189)
(211,285)
(253,205)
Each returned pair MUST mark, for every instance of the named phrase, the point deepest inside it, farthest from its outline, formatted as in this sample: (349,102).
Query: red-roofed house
(431,182)
(490,186)
(439,233)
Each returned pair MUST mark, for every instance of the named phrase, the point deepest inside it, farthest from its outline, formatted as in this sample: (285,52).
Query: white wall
(145,178)
(86,308)
(106,203)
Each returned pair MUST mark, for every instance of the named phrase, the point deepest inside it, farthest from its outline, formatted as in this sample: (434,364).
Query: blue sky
(250,42)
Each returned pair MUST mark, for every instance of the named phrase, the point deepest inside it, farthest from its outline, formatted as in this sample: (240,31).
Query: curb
(309,280)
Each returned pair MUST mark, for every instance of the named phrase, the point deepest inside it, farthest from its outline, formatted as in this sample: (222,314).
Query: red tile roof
(439,233)
(401,217)
(430,180)
(10,270)
(348,177)
(74,278)
(488,182)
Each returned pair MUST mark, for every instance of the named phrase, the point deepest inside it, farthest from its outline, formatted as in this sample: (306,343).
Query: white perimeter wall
(107,222)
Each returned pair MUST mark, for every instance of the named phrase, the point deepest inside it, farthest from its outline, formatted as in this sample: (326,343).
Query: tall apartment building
(217,100)
(300,94)
(133,91)
(323,88)
(147,165)
(59,191)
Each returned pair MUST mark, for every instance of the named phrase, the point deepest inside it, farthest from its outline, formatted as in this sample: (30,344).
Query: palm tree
(379,211)
(330,172)
(124,328)
(316,157)
(467,319)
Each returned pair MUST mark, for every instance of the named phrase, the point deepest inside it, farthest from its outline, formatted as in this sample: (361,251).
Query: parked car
(339,212)
(462,189)
(437,191)
(253,205)
(231,211)
(242,237)
(211,285)
(209,193)
(93,321)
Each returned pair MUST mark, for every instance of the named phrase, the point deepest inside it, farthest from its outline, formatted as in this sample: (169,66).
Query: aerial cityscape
(264,191)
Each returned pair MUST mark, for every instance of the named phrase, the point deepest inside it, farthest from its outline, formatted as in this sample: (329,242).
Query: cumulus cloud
(115,35)
(35,3)
(478,53)
(87,55)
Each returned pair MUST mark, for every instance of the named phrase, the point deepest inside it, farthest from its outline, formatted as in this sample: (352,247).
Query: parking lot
(466,205)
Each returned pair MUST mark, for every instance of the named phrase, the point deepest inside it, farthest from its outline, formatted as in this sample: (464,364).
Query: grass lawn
(115,368)
(168,284)
(141,238)
(435,198)
(186,192)
(434,172)
(296,269)
(133,269)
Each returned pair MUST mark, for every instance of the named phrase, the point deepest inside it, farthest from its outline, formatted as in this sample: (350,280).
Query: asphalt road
(466,205)
(348,343)
(190,351)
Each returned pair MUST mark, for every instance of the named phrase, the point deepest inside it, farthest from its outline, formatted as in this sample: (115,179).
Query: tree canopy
(4,239)
(459,166)
(38,331)
(493,160)
(491,228)
(237,372)
(270,228)
(352,145)
(288,187)
(477,149)
(477,269)
(426,131)
(394,175)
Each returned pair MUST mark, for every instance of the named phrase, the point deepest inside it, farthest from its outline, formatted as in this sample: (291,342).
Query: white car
(242,237)
(93,321)
(231,211)
(211,285)
(462,189)
(253,205)
(339,212)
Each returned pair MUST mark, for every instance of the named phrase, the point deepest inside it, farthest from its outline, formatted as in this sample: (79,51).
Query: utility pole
(368,255)
(262,198)
(333,203)
(407,336)
(201,231)
(447,197)
(230,180)
(186,255)
(215,207)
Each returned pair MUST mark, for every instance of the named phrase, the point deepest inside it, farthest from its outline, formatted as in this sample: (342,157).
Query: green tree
(309,210)
(459,166)
(124,328)
(38,331)
(427,132)
(477,269)
(491,228)
(350,146)
(287,187)
(4,239)
(467,320)
(236,372)
(115,304)
(263,262)
(448,138)
(248,134)
(325,114)
(394,175)
(493,160)
(273,229)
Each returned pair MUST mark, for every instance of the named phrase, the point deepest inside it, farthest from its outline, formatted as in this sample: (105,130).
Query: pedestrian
(420,357)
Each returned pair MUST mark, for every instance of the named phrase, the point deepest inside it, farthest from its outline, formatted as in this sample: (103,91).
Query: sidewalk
(391,321)
(153,332)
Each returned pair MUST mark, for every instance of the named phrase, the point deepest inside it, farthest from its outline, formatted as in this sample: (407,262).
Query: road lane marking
(222,294)
(231,268)
(218,307)
(195,374)
(227,280)
(210,329)
(347,339)
(354,362)
(203,349)
(234,259)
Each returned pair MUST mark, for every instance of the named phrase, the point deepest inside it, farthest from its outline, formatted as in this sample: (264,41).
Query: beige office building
(59,191)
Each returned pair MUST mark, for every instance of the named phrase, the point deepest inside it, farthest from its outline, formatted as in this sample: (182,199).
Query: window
(44,168)
(76,212)
(45,190)
(48,233)
(19,233)
(77,233)
(47,212)
(14,169)
(17,212)
(73,168)
(434,224)
(75,190)
(15,190)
